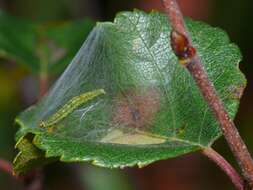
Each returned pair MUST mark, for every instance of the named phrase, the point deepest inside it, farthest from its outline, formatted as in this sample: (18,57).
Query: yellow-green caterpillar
(70,106)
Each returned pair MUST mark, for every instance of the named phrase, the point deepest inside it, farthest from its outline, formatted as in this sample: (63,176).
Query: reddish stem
(183,48)
(6,167)
(43,85)
(225,166)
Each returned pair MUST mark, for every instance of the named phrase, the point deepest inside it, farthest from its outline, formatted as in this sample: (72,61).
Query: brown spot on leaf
(237,91)
(136,108)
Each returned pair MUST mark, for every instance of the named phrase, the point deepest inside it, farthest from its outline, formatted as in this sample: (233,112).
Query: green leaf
(151,109)
(41,47)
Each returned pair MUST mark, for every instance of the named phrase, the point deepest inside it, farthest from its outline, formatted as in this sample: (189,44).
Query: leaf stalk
(225,166)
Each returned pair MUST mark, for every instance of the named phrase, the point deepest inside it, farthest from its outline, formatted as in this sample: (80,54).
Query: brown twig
(183,48)
(225,166)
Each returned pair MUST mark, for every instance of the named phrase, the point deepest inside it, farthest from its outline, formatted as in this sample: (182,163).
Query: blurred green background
(19,89)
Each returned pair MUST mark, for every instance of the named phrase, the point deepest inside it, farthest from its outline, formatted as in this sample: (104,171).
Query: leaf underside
(151,109)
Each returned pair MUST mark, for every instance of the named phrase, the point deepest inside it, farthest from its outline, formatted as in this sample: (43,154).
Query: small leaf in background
(63,39)
(18,41)
(151,109)
(95,178)
(41,47)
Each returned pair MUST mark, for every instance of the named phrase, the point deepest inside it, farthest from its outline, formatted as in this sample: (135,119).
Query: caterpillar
(70,106)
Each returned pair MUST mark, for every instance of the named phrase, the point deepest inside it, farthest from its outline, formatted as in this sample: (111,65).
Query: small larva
(70,106)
